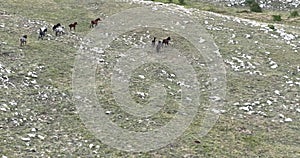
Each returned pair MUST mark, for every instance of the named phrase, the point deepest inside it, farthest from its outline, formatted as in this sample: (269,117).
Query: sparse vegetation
(271,27)
(294,14)
(276,17)
(36,85)
(181,2)
(254,7)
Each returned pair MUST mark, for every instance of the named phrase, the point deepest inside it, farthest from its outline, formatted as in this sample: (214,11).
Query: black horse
(56,26)
(42,32)
(23,40)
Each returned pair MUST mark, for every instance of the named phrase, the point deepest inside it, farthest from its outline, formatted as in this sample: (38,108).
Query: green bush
(271,27)
(181,2)
(170,1)
(294,14)
(276,17)
(249,2)
(254,7)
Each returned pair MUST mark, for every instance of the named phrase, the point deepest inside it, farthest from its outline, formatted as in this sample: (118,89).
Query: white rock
(281,116)
(25,139)
(142,94)
(269,102)
(215,111)
(288,120)
(3,109)
(41,137)
(142,76)
(164,72)
(245,108)
(108,112)
(274,66)
(251,112)
(277,92)
(91,146)
(236,103)
(31,135)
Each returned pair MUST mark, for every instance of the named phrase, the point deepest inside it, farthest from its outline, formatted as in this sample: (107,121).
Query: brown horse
(73,26)
(94,22)
(153,41)
(166,41)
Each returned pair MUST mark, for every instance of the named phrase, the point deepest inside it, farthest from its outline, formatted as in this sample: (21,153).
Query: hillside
(258,117)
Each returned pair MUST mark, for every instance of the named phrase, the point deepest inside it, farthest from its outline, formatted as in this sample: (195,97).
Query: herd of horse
(160,44)
(59,30)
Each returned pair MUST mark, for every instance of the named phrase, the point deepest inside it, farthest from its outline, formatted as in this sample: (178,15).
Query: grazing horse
(59,31)
(23,40)
(166,41)
(56,26)
(42,32)
(73,25)
(94,22)
(153,42)
(159,45)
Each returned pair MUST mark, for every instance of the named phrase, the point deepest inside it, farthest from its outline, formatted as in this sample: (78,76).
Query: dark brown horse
(153,42)
(42,32)
(56,26)
(94,22)
(73,26)
(166,41)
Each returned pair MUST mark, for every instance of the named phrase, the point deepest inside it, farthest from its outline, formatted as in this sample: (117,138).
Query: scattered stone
(3,109)
(25,139)
(41,137)
(108,112)
(142,76)
(269,102)
(288,120)
(281,116)
(31,135)
(91,146)
(245,108)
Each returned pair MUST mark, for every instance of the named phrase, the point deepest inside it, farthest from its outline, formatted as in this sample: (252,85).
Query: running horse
(94,22)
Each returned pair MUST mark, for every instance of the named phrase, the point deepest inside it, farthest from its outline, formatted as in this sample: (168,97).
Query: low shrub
(294,14)
(276,17)
(271,27)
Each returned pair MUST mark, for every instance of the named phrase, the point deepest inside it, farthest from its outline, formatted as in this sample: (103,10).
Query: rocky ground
(266,4)
(260,117)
